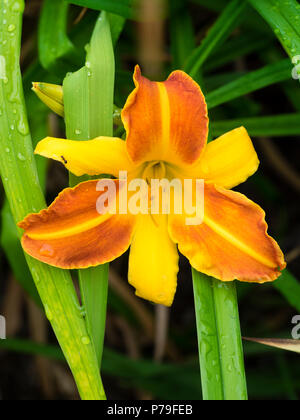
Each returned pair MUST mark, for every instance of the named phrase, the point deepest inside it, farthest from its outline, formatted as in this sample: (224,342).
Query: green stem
(23,191)
(219,338)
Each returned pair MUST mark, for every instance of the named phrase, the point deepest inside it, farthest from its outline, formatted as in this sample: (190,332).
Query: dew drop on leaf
(47,250)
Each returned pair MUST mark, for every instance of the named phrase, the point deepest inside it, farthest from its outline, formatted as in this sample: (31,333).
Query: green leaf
(252,21)
(273,73)
(222,28)
(219,338)
(283,17)
(89,114)
(289,287)
(23,191)
(123,8)
(56,52)
(182,33)
(10,243)
(269,126)
(239,46)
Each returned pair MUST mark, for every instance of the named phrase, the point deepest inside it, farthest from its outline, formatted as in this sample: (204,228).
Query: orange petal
(165,121)
(72,234)
(232,242)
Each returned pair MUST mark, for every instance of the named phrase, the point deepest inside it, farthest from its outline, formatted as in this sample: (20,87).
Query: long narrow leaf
(239,46)
(217,35)
(289,287)
(219,337)
(272,126)
(20,180)
(89,114)
(119,7)
(273,73)
(56,52)
(182,33)
(283,17)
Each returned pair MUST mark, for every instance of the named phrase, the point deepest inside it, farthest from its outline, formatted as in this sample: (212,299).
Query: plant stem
(219,338)
(23,191)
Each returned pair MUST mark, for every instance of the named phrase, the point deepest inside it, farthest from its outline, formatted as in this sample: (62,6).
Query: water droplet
(86,340)
(16,7)
(47,250)
(7,150)
(229,368)
(88,64)
(23,127)
(2,67)
(21,157)
(12,127)
(77,132)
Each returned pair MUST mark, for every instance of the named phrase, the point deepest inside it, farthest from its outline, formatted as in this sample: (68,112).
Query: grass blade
(241,45)
(123,8)
(270,126)
(20,180)
(224,25)
(211,378)
(283,17)
(219,337)
(289,287)
(268,75)
(10,242)
(56,52)
(182,33)
(89,114)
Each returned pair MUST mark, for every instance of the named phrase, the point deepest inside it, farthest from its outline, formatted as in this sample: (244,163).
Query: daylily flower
(167,127)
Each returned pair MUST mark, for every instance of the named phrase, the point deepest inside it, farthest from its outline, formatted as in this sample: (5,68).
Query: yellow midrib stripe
(236,242)
(72,231)
(165,118)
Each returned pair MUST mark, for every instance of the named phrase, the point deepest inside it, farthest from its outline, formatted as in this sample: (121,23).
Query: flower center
(154,170)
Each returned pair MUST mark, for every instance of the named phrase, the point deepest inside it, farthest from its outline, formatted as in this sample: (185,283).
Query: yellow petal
(227,161)
(153,261)
(104,155)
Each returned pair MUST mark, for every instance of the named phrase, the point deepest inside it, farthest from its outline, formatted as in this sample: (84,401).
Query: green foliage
(57,53)
(232,47)
(283,17)
(224,25)
(123,8)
